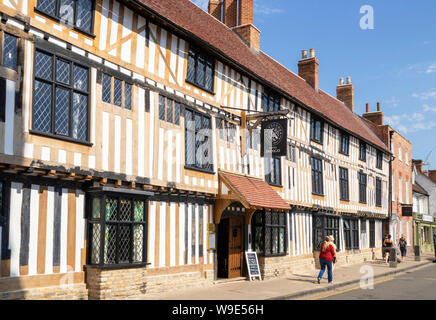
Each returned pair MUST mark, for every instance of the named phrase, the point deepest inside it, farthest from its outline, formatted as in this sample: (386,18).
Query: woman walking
(388,243)
(403,246)
(326,257)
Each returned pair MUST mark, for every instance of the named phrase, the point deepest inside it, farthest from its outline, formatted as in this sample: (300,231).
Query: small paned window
(116,92)
(169,110)
(201,69)
(227,130)
(317,176)
(378,192)
(74,13)
(198,141)
(362,187)
(269,233)
(270,102)
(291,153)
(117,230)
(325,225)
(379,159)
(351,233)
(9,51)
(273,171)
(371,233)
(344,143)
(343,184)
(316,129)
(362,151)
(60,96)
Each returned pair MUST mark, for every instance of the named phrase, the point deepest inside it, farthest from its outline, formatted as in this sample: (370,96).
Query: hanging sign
(273,138)
(252,265)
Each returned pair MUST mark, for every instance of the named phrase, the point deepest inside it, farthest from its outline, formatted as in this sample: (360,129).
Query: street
(412,285)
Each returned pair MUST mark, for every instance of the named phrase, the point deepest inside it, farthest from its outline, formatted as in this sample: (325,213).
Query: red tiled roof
(256,192)
(189,17)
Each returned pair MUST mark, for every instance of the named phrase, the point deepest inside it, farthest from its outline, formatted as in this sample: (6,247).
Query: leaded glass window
(362,151)
(201,69)
(379,163)
(74,13)
(269,233)
(362,187)
(343,184)
(198,140)
(169,110)
(273,171)
(325,225)
(317,176)
(351,233)
(344,144)
(270,102)
(9,51)
(118,227)
(316,129)
(60,96)
(378,192)
(116,92)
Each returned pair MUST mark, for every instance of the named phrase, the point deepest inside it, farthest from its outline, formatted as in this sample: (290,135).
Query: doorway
(230,249)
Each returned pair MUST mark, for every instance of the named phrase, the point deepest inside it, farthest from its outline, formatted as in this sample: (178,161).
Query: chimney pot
(312,53)
(304,54)
(345,93)
(378,106)
(367,107)
(348,80)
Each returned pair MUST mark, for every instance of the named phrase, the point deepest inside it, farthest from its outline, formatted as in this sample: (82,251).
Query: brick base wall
(128,283)
(71,292)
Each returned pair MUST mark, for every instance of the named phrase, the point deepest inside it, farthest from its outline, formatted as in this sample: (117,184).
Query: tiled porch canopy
(254,194)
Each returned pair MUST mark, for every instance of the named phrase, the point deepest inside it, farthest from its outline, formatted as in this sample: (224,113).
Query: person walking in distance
(327,256)
(388,243)
(434,243)
(403,246)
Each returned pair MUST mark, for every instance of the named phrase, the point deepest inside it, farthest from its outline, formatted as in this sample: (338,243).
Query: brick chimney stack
(215,8)
(237,15)
(308,68)
(432,175)
(418,165)
(345,93)
(374,117)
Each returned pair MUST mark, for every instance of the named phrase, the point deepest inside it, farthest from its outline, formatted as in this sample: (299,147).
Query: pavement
(295,286)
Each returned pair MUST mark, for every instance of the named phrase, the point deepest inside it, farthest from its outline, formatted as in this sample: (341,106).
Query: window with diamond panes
(75,13)
(198,141)
(60,96)
(325,225)
(269,233)
(118,230)
(116,92)
(227,130)
(351,233)
(9,57)
(201,69)
(169,110)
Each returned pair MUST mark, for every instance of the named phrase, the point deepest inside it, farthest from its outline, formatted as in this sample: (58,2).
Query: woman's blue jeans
(329,265)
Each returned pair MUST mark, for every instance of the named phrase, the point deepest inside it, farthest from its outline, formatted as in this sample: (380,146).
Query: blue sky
(394,63)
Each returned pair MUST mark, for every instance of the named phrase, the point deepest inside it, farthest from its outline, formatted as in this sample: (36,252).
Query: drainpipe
(391,133)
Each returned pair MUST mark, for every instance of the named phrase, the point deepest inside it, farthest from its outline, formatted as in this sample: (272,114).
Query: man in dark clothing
(434,243)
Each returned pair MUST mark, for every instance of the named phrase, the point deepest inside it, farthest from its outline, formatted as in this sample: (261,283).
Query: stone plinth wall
(70,292)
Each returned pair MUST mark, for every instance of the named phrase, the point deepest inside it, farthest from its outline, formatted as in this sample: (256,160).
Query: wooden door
(236,246)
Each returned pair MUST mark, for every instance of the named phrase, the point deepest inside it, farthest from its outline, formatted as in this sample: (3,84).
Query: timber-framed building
(118,157)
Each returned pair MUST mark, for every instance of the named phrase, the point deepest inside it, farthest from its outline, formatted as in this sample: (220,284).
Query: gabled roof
(197,23)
